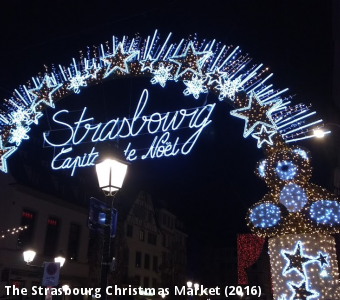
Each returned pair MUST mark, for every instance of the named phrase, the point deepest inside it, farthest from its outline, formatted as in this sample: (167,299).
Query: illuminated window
(73,242)
(25,238)
(51,237)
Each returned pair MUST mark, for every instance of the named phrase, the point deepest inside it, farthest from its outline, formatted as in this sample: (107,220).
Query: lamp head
(111,173)
(60,259)
(29,256)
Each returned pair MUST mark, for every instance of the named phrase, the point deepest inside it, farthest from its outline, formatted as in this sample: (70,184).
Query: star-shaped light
(43,93)
(215,76)
(263,136)
(195,87)
(322,259)
(5,152)
(91,69)
(302,293)
(256,113)
(33,116)
(191,61)
(118,61)
(295,260)
(161,75)
(147,64)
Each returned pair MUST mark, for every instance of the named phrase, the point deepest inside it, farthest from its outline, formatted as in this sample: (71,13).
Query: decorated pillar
(299,218)
(304,266)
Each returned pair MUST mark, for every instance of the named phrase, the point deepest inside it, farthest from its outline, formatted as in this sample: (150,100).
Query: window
(25,238)
(152,238)
(73,242)
(164,240)
(164,258)
(138,259)
(154,282)
(155,263)
(137,280)
(164,219)
(141,235)
(146,282)
(150,217)
(51,238)
(129,230)
(147,261)
(18,284)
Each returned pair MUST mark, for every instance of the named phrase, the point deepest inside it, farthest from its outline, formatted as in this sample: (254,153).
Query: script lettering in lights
(160,125)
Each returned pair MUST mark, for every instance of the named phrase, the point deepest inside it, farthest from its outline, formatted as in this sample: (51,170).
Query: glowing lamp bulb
(319,133)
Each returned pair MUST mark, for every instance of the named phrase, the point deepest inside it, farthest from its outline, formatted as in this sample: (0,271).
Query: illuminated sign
(161,125)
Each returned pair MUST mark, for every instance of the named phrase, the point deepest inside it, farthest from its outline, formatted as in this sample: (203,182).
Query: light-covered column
(304,266)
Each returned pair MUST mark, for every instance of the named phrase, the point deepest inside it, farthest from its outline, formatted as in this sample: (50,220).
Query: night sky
(212,187)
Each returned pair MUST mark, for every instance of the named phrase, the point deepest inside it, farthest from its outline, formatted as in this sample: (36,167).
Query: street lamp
(29,256)
(189,284)
(60,259)
(111,174)
(320,132)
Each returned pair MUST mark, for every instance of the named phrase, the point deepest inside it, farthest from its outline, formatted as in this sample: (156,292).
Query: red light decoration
(27,215)
(52,222)
(249,248)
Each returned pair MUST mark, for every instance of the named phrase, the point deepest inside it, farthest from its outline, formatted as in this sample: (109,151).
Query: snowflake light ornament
(77,81)
(162,75)
(228,88)
(19,116)
(195,87)
(18,134)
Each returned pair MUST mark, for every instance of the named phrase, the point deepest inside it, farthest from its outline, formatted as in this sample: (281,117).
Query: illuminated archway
(294,212)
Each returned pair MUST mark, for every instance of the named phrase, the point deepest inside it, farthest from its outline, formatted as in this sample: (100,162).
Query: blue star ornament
(215,77)
(191,61)
(256,113)
(43,93)
(264,136)
(118,60)
(302,293)
(147,64)
(322,259)
(296,260)
(5,152)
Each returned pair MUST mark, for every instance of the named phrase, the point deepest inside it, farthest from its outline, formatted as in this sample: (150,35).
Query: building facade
(156,245)
(54,227)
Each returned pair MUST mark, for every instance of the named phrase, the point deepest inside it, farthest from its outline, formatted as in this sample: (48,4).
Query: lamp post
(29,256)
(111,174)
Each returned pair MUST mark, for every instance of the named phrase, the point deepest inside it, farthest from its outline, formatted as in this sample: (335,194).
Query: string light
(249,248)
(218,69)
(11,231)
(304,266)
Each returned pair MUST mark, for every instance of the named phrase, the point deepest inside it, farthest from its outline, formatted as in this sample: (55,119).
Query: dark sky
(212,187)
